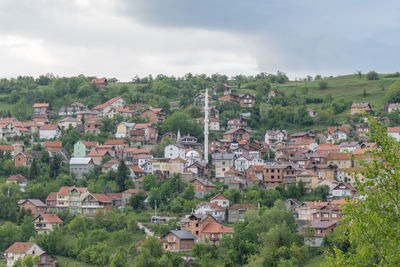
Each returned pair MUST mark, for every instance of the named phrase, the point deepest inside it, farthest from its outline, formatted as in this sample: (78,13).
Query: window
(197,232)
(334,215)
(197,225)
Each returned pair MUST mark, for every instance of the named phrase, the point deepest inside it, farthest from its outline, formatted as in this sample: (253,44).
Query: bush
(323,84)
(372,75)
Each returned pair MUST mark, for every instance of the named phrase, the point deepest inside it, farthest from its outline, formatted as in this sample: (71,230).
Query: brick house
(360,107)
(237,134)
(237,211)
(154,115)
(100,82)
(239,122)
(229,98)
(41,108)
(247,101)
(45,223)
(221,200)
(178,240)
(36,206)
(214,232)
(92,203)
(107,109)
(202,187)
(51,200)
(93,127)
(195,223)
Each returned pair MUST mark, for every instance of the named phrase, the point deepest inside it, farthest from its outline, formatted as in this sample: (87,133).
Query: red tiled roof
(97,153)
(219,196)
(90,143)
(19,247)
(115,196)
(16,178)
(115,142)
(131,191)
(135,150)
(215,228)
(41,105)
(393,129)
(242,206)
(142,125)
(258,167)
(52,196)
(136,169)
(53,144)
(6,147)
(179,159)
(109,102)
(339,156)
(102,198)
(66,189)
(315,204)
(51,218)
(123,110)
(49,127)
(233,171)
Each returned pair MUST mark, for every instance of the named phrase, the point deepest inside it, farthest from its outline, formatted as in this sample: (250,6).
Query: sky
(124,38)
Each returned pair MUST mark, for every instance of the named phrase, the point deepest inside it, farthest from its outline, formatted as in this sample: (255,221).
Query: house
(213,209)
(19,250)
(330,182)
(124,112)
(45,223)
(41,108)
(195,223)
(199,99)
(320,228)
(309,178)
(239,122)
(227,89)
(143,132)
(348,146)
(51,200)
(307,209)
(49,131)
(343,190)
(394,132)
(23,159)
(80,166)
(178,240)
(237,211)
(293,205)
(213,124)
(154,115)
(271,94)
(243,162)
(247,101)
(214,232)
(93,203)
(107,109)
(190,142)
(275,174)
(116,199)
(68,122)
(83,148)
(335,134)
(312,113)
(100,82)
(274,136)
(220,200)
(70,197)
(199,169)
(174,105)
(359,108)
(202,187)
(123,129)
(72,109)
(92,127)
(237,134)
(112,164)
(229,98)
(117,144)
(393,107)
(362,132)
(173,151)
(127,194)
(222,163)
(36,206)
(18,179)
(52,146)
(341,160)
(326,148)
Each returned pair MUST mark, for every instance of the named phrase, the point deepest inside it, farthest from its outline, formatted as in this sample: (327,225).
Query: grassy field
(67,262)
(315,261)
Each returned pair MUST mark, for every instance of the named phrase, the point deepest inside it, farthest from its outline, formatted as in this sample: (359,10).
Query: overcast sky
(124,38)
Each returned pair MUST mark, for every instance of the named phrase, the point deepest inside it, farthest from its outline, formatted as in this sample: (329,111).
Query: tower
(206,128)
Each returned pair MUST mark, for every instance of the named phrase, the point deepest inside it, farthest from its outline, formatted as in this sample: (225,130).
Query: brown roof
(204,182)
(142,125)
(315,204)
(52,196)
(35,202)
(49,127)
(66,189)
(322,224)
(136,169)
(339,156)
(6,147)
(109,102)
(393,129)
(115,142)
(89,143)
(51,218)
(217,228)
(131,191)
(53,144)
(233,171)
(218,196)
(19,247)
(16,178)
(102,198)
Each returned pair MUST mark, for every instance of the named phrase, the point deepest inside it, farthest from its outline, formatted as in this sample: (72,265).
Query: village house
(359,108)
(23,159)
(229,98)
(237,134)
(45,223)
(279,174)
(235,179)
(273,136)
(68,122)
(93,203)
(190,142)
(220,200)
(309,178)
(307,209)
(195,223)
(72,109)
(341,160)
(153,115)
(97,155)
(92,127)
(348,146)
(321,228)
(123,129)
(239,122)
(127,194)
(80,166)
(18,179)
(326,148)
(136,172)
(343,190)
(236,212)
(336,134)
(70,197)
(82,148)
(362,132)
(227,89)
(116,199)
(199,99)
(213,232)
(213,124)
(198,169)
(394,132)
(213,209)
(41,108)
(143,132)
(36,206)
(173,151)
(124,112)
(51,200)
(174,105)
(202,187)
(100,82)
(222,163)
(19,250)
(312,113)
(247,101)
(112,164)
(392,107)
(178,240)
(49,131)
(107,109)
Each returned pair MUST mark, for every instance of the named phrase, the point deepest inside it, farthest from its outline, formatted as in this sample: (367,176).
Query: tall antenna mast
(206,128)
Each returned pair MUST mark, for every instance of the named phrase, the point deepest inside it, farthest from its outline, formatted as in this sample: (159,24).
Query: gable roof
(20,247)
(80,161)
(204,182)
(41,105)
(64,190)
(52,196)
(16,178)
(242,206)
(89,143)
(218,196)
(131,191)
(49,127)
(102,198)
(53,144)
(51,218)
(35,202)
(322,224)
(182,234)
(393,129)
(109,102)
(217,228)
(115,142)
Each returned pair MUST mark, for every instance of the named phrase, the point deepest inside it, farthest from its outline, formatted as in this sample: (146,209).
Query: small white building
(80,166)
(173,151)
(49,131)
(221,200)
(394,132)
(212,209)
(242,163)
(273,136)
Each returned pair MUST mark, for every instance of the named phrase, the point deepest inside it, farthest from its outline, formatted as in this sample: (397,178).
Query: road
(146,230)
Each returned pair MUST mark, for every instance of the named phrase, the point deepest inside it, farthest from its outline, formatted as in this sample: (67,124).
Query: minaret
(206,128)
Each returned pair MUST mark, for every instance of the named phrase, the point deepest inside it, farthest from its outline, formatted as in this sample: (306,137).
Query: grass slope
(316,261)
(68,262)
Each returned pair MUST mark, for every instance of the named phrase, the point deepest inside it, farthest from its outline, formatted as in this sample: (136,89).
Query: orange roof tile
(41,105)
(53,144)
(51,218)
(215,228)
(115,142)
(19,247)
(219,196)
(109,102)
(102,198)
(131,191)
(49,127)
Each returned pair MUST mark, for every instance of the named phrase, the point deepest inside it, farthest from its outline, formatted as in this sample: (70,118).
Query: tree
(373,218)
(34,171)
(372,75)
(137,201)
(393,94)
(55,165)
(27,228)
(149,181)
(359,74)
(30,261)
(188,193)
(122,175)
(153,245)
(119,259)
(323,84)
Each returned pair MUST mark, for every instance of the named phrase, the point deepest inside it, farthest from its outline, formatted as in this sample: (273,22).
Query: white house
(80,166)
(392,107)
(20,250)
(173,151)
(394,132)
(242,163)
(336,135)
(108,108)
(221,200)
(342,191)
(273,136)
(348,146)
(49,131)
(212,209)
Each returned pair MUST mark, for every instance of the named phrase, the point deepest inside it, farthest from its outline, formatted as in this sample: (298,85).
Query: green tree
(123,174)
(149,182)
(119,259)
(393,94)
(372,75)
(27,228)
(188,193)
(30,261)
(137,201)
(153,245)
(323,84)
(373,218)
(34,170)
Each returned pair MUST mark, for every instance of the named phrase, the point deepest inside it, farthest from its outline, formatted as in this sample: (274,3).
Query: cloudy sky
(124,38)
